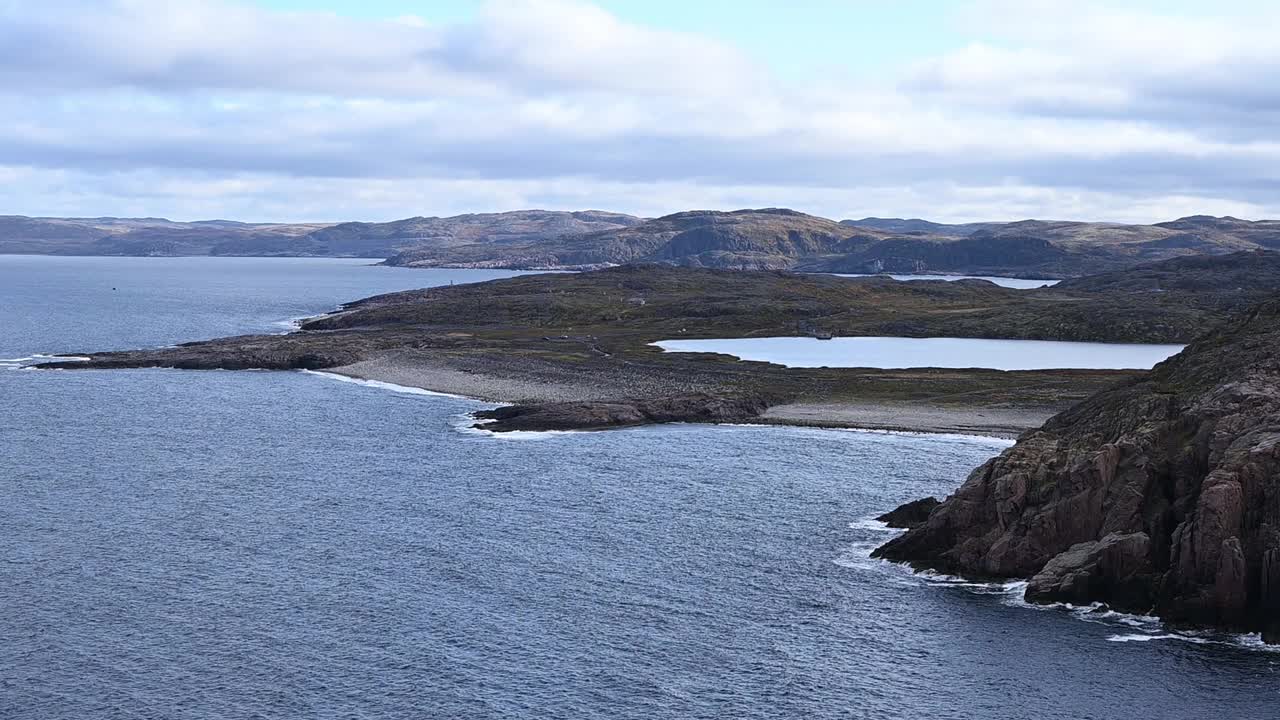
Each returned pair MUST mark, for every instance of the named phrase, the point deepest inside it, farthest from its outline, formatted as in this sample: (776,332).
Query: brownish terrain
(759,239)
(1161,494)
(575,349)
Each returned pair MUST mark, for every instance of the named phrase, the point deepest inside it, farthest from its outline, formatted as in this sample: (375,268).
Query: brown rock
(910,514)
(1161,493)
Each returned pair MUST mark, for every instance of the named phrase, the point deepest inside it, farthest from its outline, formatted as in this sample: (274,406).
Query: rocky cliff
(1161,495)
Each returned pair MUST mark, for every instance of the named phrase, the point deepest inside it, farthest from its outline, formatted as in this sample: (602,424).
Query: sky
(327,110)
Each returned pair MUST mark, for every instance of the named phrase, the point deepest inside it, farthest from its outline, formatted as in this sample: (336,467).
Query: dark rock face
(1160,495)
(1117,567)
(263,352)
(698,407)
(911,514)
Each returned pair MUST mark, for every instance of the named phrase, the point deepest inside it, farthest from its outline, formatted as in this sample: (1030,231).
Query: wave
(873,525)
(1140,628)
(1139,637)
(20,363)
(467,424)
(1252,642)
(464,423)
(289,325)
(381,385)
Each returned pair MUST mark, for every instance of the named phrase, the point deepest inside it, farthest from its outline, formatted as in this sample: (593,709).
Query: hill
(763,239)
(158,236)
(785,239)
(915,225)
(752,239)
(141,236)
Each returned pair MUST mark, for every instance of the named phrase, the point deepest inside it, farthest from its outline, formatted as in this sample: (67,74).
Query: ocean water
(900,352)
(280,545)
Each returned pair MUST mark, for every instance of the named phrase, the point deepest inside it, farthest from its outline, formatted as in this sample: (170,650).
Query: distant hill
(145,236)
(1240,273)
(785,239)
(916,225)
(769,238)
(158,236)
(429,236)
(742,239)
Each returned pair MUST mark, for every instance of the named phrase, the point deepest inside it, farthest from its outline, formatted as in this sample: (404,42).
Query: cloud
(210,107)
(515,46)
(1210,74)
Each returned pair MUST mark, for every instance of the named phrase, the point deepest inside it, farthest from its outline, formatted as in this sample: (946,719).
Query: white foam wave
(1147,628)
(873,525)
(858,557)
(404,389)
(467,424)
(1251,642)
(20,363)
(1141,637)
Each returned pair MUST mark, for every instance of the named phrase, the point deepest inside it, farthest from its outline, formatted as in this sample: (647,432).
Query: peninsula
(574,351)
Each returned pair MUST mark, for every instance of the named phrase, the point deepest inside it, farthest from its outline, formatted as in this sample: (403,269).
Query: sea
(214,544)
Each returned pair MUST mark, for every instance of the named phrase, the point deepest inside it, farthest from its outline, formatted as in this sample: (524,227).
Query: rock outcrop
(911,514)
(1161,495)
(598,415)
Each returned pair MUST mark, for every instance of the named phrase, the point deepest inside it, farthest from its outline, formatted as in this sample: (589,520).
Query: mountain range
(770,238)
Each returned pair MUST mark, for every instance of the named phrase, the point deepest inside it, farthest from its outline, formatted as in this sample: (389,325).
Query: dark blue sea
(283,545)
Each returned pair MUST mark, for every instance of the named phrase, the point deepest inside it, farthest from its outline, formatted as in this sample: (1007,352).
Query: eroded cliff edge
(1160,495)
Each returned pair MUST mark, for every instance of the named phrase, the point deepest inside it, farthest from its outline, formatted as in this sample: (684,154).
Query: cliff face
(1162,495)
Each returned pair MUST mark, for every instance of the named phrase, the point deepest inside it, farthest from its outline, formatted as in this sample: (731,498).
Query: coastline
(440,378)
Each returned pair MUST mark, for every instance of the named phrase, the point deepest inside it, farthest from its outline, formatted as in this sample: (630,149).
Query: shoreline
(905,417)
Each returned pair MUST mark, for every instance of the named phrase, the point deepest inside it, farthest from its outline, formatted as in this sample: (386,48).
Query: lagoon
(1009,282)
(900,352)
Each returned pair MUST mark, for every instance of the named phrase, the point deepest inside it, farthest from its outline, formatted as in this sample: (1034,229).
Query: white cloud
(1212,74)
(1060,110)
(515,46)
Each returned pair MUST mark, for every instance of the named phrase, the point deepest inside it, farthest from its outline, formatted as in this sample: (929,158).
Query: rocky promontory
(576,350)
(1161,495)
(599,415)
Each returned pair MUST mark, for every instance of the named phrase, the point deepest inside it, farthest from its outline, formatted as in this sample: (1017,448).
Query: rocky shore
(1161,495)
(576,350)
